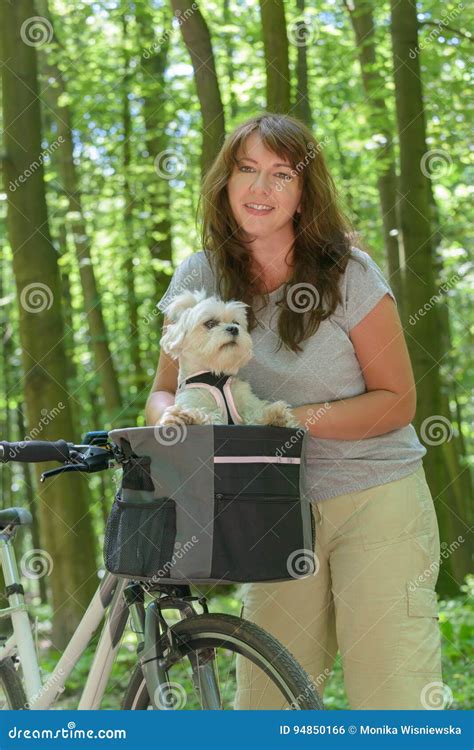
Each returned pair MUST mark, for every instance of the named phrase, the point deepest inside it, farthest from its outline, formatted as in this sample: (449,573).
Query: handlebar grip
(34,451)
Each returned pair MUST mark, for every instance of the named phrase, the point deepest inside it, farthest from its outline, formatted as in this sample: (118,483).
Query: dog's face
(207,333)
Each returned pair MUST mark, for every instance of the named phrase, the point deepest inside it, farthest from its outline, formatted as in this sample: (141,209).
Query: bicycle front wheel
(215,650)
(12,695)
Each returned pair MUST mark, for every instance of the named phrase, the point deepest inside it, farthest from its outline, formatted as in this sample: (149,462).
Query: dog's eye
(211,323)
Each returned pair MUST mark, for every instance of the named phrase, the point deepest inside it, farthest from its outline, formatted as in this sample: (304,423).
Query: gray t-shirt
(326,370)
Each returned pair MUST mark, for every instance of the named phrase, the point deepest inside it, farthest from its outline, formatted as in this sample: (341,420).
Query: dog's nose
(233,330)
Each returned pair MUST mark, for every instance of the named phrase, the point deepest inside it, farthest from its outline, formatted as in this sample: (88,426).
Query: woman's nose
(261,183)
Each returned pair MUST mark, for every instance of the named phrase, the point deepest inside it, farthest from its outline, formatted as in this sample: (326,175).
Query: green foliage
(457,628)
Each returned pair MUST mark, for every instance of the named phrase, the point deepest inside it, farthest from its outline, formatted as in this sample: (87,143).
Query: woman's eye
(211,323)
(281,175)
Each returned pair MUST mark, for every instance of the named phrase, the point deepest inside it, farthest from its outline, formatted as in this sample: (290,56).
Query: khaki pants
(372,596)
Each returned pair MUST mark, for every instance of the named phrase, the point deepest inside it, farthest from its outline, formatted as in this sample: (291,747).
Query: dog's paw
(278,414)
(180,415)
(201,417)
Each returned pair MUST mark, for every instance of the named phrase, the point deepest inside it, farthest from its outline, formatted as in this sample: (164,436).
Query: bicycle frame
(108,598)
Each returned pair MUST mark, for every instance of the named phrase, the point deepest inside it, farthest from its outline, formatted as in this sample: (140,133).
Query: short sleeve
(186,276)
(365,286)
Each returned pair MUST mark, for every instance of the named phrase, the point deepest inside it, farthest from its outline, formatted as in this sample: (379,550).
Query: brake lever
(61,469)
(93,459)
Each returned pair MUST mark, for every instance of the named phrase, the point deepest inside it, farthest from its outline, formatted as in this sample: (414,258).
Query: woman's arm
(164,387)
(390,402)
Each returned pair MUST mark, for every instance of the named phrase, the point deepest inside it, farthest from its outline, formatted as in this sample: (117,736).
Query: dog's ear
(172,340)
(183,302)
(178,312)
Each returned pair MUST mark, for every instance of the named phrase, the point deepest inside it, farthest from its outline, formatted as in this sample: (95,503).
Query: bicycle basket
(211,503)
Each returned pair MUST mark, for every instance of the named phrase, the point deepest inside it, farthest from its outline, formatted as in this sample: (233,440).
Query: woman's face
(264,192)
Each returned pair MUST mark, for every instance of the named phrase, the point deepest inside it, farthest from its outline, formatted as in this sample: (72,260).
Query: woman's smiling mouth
(258,209)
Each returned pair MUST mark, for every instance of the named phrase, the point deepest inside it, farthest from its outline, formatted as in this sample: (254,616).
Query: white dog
(210,339)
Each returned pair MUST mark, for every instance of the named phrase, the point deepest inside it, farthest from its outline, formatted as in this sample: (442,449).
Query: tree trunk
(70,183)
(422,328)
(229,49)
(6,474)
(361,15)
(156,116)
(302,105)
(136,379)
(345,171)
(32,505)
(275,44)
(6,336)
(197,39)
(65,522)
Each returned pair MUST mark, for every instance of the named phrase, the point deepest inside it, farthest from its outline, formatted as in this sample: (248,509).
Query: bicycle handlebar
(35,451)
(97,454)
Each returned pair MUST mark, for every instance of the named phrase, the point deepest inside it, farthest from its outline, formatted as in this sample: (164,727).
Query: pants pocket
(419,649)
(257,538)
(140,537)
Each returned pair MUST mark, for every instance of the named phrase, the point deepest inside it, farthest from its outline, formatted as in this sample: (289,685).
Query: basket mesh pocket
(140,538)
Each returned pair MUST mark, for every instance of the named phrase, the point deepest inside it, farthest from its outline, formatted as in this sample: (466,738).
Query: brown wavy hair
(323,234)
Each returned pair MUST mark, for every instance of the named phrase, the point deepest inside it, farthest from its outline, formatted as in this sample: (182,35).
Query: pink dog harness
(219,387)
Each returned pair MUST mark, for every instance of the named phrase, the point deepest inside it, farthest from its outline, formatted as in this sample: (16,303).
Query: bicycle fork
(158,652)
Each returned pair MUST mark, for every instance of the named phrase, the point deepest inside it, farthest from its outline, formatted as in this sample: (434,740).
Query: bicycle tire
(11,684)
(211,630)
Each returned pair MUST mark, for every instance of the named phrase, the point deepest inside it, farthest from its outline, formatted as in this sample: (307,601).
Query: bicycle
(179,664)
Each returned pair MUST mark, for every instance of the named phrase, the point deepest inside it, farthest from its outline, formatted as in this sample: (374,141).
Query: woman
(328,340)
